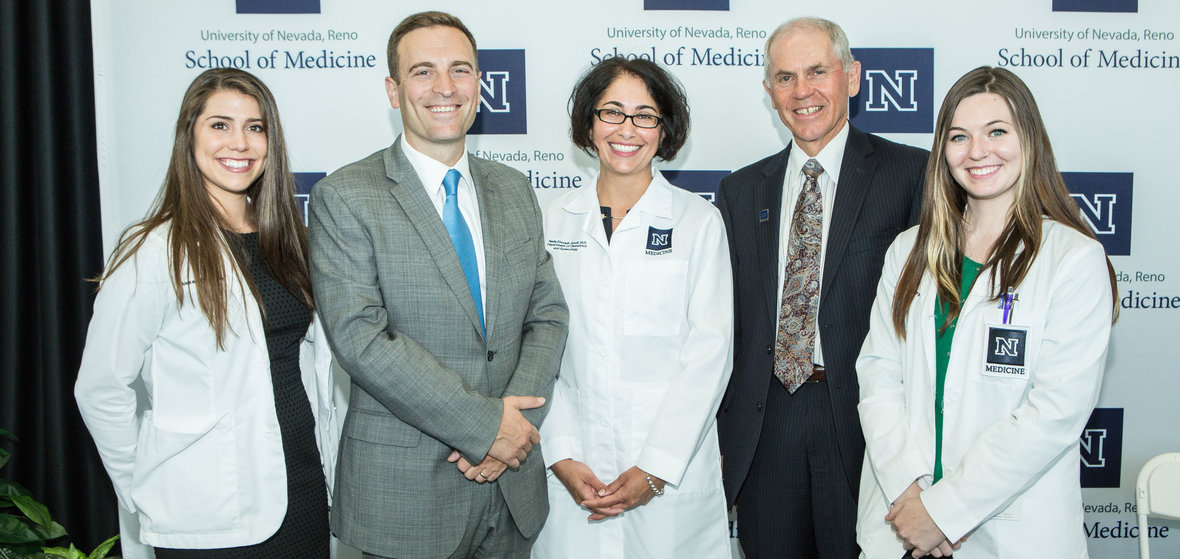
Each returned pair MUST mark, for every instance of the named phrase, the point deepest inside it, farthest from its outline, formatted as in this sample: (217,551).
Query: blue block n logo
(1118,6)
(1102,448)
(278,6)
(704,183)
(714,5)
(303,184)
(1105,202)
(896,91)
(502,103)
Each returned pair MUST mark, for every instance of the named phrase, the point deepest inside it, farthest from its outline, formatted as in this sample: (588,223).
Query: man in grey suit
(808,228)
(438,297)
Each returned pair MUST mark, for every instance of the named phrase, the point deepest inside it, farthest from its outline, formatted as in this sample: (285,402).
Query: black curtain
(51,235)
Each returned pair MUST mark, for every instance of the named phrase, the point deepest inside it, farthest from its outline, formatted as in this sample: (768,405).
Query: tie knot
(812,169)
(451,182)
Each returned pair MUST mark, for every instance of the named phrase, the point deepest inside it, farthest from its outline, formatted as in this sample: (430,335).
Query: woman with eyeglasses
(631,439)
(986,347)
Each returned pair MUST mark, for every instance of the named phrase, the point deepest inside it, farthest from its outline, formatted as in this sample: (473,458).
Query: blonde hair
(1040,192)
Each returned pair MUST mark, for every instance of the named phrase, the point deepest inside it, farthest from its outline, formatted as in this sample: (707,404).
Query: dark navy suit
(878,196)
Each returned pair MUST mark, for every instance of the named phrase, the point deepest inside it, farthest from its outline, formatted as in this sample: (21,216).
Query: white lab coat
(1010,445)
(647,361)
(199,464)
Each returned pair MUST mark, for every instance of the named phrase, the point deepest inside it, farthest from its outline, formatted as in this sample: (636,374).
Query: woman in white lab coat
(205,380)
(631,441)
(987,345)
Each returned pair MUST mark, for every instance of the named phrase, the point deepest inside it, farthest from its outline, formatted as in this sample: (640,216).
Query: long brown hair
(1040,192)
(197,231)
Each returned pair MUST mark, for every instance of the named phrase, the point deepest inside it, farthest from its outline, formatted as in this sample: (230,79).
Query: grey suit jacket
(401,321)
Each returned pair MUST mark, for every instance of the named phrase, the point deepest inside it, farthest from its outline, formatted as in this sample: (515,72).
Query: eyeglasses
(642,120)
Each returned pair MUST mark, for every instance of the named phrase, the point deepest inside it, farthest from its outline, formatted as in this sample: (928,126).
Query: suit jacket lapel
(856,173)
(494,236)
(411,196)
(770,197)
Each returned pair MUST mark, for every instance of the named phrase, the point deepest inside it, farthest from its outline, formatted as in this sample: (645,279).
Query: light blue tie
(461,238)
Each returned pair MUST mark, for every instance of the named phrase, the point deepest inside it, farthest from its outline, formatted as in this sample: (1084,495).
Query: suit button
(491,355)
(758,406)
(769,349)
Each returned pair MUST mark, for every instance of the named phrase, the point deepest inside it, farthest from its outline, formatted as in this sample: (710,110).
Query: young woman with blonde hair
(987,345)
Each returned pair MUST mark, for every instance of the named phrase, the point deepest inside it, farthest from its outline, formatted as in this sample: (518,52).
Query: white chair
(1157,493)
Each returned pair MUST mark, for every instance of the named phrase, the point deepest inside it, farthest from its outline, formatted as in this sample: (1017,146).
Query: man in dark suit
(808,228)
(438,297)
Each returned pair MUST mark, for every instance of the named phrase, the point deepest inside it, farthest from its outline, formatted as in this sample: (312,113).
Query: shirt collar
(431,172)
(655,201)
(830,158)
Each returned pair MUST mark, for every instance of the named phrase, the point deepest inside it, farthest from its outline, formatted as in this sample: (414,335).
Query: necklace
(603,215)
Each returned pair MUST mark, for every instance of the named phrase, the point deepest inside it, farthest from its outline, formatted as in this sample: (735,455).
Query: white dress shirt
(830,158)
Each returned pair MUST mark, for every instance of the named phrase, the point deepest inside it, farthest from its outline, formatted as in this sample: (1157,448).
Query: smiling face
(625,149)
(437,90)
(809,87)
(983,150)
(229,144)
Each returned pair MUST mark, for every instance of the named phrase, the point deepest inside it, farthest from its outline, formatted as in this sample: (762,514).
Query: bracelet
(652,485)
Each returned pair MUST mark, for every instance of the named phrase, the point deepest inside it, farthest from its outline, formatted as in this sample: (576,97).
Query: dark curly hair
(664,89)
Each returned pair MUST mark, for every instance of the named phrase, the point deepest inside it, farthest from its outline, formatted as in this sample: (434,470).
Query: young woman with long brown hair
(987,345)
(205,381)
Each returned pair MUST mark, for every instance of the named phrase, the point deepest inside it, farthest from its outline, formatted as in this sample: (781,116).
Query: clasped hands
(630,490)
(918,532)
(514,440)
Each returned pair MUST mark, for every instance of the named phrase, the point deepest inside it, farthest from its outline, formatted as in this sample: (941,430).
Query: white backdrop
(1105,82)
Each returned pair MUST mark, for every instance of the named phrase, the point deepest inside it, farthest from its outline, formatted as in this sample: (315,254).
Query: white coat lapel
(979,296)
(654,203)
(925,300)
(585,205)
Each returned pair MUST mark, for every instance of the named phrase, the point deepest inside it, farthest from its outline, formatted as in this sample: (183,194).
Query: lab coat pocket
(168,465)
(1009,352)
(182,393)
(655,299)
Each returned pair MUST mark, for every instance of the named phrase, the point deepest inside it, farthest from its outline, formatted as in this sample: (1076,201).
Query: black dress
(304,532)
